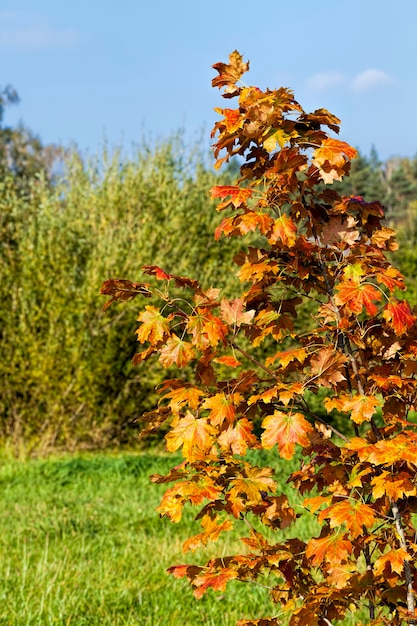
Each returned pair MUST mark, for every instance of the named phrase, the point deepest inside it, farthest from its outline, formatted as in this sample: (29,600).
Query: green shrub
(66,372)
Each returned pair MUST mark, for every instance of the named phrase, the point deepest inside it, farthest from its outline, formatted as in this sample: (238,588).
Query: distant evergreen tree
(401,187)
(366,178)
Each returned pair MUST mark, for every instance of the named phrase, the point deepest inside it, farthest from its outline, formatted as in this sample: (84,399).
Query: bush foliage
(66,372)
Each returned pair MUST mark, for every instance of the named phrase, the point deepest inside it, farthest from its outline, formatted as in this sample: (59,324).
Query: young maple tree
(358,480)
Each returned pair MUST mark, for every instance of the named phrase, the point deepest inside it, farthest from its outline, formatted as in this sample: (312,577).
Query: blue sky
(92,70)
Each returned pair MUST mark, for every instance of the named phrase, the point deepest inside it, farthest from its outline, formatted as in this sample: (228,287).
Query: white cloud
(368,80)
(325,80)
(26,31)
(371,79)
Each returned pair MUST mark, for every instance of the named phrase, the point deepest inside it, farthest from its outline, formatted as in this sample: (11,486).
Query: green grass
(81,543)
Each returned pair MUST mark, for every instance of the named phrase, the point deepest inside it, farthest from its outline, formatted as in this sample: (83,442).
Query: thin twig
(368,561)
(305,408)
(251,358)
(411,604)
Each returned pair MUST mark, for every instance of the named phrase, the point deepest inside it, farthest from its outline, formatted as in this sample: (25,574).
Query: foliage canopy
(330,250)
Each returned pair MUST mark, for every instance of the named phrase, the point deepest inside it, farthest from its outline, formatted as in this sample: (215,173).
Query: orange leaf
(233,312)
(194,434)
(402,447)
(391,278)
(354,514)
(332,548)
(228,360)
(176,351)
(313,504)
(175,497)
(179,571)
(266,396)
(154,325)
(385,238)
(233,119)
(238,438)
(287,356)
(284,230)
(279,514)
(285,430)
(251,220)
(394,559)
(252,484)
(395,486)
(223,408)
(230,73)
(154,270)
(238,195)
(207,329)
(398,314)
(361,408)
(184,395)
(334,152)
(354,296)
(339,576)
(213,580)
(211,532)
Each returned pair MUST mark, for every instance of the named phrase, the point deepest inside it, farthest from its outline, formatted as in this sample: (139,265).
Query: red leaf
(154,270)
(238,195)
(354,296)
(228,360)
(398,314)
(213,580)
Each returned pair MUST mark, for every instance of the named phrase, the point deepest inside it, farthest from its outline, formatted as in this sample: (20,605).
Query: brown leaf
(327,367)
(121,290)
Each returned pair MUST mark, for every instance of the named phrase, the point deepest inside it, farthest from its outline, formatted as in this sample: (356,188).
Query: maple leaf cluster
(358,480)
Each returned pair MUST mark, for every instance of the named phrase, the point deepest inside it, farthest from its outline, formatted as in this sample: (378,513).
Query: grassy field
(81,544)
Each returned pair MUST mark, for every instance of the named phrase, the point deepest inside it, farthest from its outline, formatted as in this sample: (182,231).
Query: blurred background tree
(22,152)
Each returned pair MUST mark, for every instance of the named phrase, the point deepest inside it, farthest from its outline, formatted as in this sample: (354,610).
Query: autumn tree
(358,480)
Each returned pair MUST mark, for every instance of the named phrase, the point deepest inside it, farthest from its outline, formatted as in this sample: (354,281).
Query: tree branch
(411,604)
